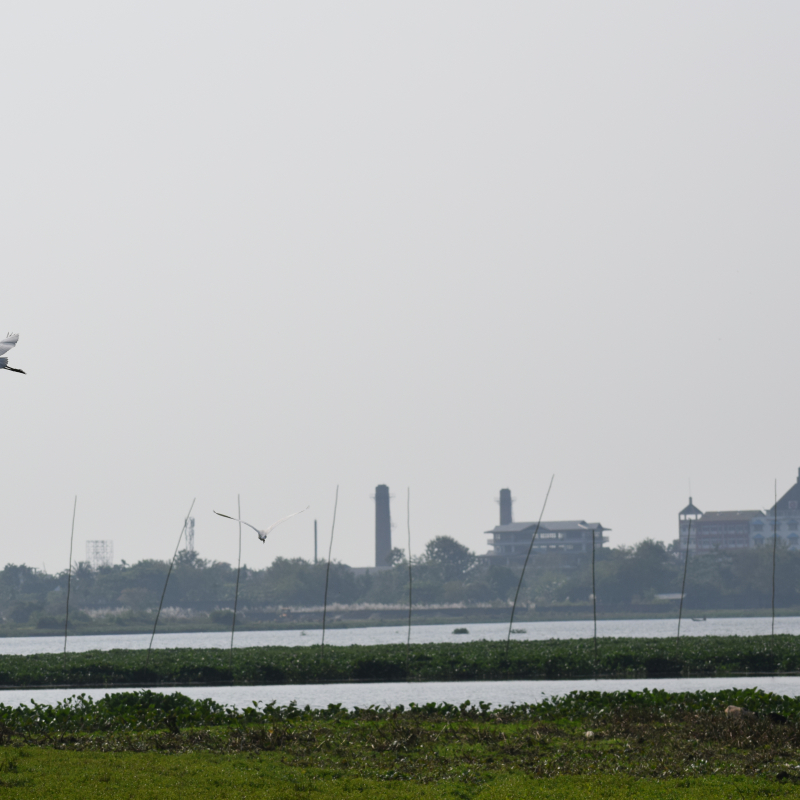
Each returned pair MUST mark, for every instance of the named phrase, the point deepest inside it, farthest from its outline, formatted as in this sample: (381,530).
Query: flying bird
(263,534)
(7,343)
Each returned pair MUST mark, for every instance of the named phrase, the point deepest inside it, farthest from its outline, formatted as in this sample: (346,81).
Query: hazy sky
(265,248)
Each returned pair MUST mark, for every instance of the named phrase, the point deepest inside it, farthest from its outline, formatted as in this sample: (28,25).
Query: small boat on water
(698,619)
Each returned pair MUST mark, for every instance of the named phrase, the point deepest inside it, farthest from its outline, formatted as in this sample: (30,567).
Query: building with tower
(713,531)
(716,530)
(786,512)
(570,538)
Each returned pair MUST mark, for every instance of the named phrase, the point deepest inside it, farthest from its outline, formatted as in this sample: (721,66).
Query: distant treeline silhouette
(446,572)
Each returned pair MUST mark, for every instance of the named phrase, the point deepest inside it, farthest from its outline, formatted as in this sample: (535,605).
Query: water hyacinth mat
(465,661)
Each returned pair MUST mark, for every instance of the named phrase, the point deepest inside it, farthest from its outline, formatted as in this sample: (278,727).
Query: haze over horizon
(269,249)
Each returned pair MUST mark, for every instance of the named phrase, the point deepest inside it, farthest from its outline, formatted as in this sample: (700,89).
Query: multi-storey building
(716,530)
(729,530)
(786,512)
(511,540)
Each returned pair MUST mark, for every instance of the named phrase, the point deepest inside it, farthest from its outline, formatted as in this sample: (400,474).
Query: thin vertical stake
(522,575)
(69,572)
(328,570)
(238,570)
(683,585)
(594,602)
(408,520)
(169,572)
(774,549)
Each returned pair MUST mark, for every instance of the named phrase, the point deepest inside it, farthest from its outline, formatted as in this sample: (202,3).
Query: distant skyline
(399,540)
(265,249)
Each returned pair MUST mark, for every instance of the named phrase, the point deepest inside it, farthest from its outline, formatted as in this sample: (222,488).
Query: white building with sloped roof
(509,543)
(713,531)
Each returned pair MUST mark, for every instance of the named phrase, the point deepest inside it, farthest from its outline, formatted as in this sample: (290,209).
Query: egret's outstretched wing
(240,520)
(7,343)
(289,516)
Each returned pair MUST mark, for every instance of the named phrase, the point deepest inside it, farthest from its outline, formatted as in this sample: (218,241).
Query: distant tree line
(447,572)
(731,579)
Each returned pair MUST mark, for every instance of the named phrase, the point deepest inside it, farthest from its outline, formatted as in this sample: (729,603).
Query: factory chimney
(505,507)
(383,526)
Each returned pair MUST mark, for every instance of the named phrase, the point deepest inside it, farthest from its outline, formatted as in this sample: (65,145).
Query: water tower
(189,533)
(383,526)
(506,503)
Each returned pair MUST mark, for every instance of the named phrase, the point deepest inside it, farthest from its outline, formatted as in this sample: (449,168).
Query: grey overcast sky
(265,248)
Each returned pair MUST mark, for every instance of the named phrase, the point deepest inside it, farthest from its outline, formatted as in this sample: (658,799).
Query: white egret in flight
(263,534)
(5,346)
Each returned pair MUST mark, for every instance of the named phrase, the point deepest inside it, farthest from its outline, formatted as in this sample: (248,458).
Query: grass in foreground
(643,744)
(34,773)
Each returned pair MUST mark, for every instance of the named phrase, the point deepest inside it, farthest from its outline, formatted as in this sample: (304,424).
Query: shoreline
(469,616)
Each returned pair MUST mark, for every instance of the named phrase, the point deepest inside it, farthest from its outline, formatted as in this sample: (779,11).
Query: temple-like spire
(691,510)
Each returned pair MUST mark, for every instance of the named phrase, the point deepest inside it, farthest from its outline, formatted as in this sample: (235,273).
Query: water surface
(352,695)
(420,634)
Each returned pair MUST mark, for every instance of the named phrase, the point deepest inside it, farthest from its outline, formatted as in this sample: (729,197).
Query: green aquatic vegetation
(645,735)
(146,710)
(483,660)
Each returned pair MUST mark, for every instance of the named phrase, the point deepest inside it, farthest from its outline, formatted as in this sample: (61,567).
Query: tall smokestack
(383,526)
(505,507)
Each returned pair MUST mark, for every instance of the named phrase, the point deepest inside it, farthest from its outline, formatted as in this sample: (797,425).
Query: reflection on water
(420,634)
(350,695)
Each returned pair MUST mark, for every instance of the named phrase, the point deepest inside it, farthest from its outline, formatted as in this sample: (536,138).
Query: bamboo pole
(238,571)
(594,601)
(683,585)
(522,575)
(774,551)
(69,574)
(169,572)
(408,521)
(327,572)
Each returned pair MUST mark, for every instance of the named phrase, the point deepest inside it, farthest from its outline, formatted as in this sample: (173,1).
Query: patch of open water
(392,694)
(420,634)
(351,695)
